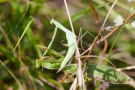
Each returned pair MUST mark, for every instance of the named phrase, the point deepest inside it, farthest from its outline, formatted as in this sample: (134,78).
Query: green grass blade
(112,46)
(26,28)
(33,42)
(84,12)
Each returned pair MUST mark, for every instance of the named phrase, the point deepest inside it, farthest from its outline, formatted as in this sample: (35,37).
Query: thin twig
(126,68)
(108,14)
(94,56)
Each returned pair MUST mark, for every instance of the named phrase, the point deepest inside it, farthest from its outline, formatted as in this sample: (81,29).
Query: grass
(21,32)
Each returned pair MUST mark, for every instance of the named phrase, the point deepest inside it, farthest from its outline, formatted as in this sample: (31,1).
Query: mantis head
(52,21)
(38,63)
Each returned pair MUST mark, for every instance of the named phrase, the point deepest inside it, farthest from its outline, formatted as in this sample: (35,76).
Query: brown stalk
(95,12)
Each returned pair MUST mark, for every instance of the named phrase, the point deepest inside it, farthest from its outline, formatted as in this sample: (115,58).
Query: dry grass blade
(132,83)
(108,14)
(126,68)
(80,72)
(49,83)
(7,39)
(73,86)
(18,82)
(22,65)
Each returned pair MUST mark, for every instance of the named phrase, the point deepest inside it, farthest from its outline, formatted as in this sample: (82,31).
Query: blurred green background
(14,17)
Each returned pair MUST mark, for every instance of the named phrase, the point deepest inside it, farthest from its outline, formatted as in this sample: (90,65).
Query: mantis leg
(50,44)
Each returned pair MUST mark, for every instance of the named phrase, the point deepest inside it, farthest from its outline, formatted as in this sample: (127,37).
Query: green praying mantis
(99,72)
(71,45)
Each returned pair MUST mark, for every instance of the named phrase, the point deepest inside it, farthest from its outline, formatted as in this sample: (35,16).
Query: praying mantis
(71,45)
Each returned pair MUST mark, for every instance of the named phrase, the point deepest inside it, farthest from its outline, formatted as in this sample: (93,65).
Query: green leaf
(107,74)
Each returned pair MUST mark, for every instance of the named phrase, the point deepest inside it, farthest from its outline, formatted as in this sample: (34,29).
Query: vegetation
(90,45)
